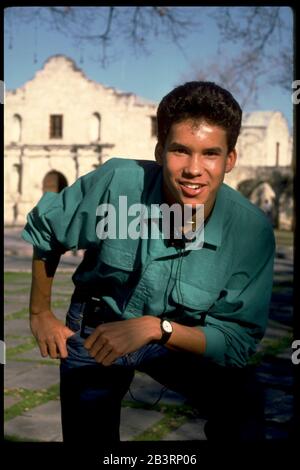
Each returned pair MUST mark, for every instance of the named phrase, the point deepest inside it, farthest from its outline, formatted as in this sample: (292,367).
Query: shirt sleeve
(237,321)
(67,220)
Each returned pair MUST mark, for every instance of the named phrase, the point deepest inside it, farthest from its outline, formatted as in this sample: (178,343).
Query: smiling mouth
(191,189)
(192,185)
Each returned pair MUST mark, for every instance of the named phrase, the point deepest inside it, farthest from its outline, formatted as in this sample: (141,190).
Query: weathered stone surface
(41,423)
(146,390)
(13,306)
(193,430)
(34,354)
(10,400)
(278,405)
(134,421)
(17,327)
(29,375)
(13,342)
(23,299)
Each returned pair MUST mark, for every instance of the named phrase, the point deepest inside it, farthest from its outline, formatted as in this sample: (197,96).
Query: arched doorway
(54,182)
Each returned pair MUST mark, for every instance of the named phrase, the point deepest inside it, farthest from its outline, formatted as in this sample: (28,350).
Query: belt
(95,312)
(82,294)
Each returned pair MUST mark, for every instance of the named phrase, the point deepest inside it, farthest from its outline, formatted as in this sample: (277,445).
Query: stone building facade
(61,125)
(63,121)
(264,167)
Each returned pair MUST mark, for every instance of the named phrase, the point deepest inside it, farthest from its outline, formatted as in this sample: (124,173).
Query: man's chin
(183,200)
(192,202)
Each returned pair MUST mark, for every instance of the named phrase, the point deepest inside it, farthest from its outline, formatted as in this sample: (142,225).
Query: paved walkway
(31,383)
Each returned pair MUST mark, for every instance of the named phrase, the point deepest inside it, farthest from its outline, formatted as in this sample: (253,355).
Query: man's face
(195,160)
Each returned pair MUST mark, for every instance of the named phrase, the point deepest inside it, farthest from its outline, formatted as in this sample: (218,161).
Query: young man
(190,318)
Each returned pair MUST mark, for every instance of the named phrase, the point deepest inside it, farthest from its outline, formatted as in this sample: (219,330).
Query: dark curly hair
(200,100)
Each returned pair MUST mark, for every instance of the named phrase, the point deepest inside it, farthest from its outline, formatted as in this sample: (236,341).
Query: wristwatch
(166,329)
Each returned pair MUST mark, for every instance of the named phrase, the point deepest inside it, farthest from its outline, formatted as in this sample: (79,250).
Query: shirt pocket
(115,255)
(194,297)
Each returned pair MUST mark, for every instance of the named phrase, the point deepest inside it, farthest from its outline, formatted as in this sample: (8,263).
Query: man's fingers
(43,348)
(96,348)
(103,357)
(62,347)
(68,333)
(109,359)
(91,339)
(51,335)
(52,347)
(61,343)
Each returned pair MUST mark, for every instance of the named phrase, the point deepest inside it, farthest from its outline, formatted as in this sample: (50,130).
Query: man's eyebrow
(208,149)
(177,144)
(213,149)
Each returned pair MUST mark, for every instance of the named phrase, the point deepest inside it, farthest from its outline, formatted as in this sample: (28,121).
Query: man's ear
(159,153)
(230,161)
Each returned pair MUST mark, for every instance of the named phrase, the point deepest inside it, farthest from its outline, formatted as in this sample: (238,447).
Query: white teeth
(192,186)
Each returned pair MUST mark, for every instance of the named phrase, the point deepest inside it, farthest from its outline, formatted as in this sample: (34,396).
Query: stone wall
(60,88)
(99,122)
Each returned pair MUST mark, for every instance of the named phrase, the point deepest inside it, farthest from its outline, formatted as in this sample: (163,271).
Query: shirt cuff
(215,345)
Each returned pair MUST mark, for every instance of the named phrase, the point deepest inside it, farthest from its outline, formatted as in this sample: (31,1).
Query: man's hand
(112,340)
(50,333)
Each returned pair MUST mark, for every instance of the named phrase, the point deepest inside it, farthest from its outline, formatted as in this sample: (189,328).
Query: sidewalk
(18,254)
(31,382)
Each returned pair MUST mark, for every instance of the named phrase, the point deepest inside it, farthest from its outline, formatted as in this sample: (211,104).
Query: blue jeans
(91,393)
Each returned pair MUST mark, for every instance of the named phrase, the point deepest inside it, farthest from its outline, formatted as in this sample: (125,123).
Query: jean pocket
(74,338)
(78,355)
(74,315)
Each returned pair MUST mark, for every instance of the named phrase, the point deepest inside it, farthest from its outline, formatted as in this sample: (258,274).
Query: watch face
(167,327)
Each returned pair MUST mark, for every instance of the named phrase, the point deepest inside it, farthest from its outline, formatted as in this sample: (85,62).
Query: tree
(265,39)
(261,33)
(101,26)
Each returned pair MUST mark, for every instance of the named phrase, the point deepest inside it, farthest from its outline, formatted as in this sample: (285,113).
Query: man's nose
(194,166)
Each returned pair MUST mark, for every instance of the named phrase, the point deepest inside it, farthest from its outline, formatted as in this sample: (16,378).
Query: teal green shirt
(230,278)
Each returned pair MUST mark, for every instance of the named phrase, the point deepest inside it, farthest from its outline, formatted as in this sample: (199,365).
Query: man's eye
(179,150)
(211,154)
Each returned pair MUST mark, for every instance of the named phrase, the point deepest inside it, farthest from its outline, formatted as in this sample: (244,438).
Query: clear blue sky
(28,46)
